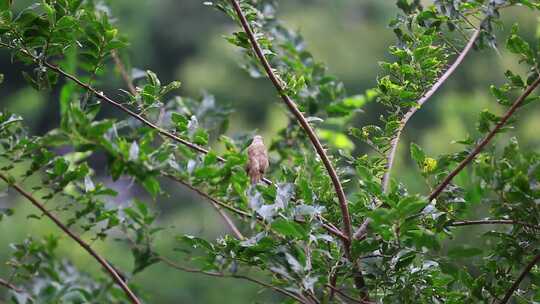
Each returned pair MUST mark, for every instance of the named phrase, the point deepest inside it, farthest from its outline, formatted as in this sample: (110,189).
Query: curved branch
(217,205)
(346,296)
(524,273)
(299,117)
(293,108)
(100,95)
(163,132)
(494,222)
(243,277)
(517,103)
(324,222)
(444,77)
(16,289)
(108,268)
(123,72)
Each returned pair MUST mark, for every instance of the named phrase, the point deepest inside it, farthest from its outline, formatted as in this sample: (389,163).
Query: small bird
(257,159)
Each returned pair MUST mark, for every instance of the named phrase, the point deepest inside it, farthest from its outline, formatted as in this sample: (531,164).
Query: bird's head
(257,139)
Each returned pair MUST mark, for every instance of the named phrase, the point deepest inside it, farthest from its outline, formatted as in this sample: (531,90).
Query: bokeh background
(183,40)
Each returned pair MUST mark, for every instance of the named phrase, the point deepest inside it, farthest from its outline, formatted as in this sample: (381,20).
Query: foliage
(285,229)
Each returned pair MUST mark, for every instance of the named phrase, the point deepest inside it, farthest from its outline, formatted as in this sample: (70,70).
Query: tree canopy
(326,223)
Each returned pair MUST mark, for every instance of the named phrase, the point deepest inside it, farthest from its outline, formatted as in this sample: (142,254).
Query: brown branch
(299,116)
(347,227)
(109,269)
(16,289)
(346,296)
(243,277)
(163,132)
(494,222)
(324,222)
(118,105)
(517,103)
(444,77)
(123,72)
(8,285)
(217,205)
(523,274)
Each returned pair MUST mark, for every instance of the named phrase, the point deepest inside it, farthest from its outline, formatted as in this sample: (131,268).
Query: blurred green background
(183,40)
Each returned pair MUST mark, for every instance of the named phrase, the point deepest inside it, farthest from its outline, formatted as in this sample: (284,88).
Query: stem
(517,103)
(494,222)
(217,205)
(8,285)
(324,222)
(299,117)
(118,105)
(161,131)
(243,277)
(109,269)
(293,108)
(395,141)
(524,273)
(16,289)
(123,72)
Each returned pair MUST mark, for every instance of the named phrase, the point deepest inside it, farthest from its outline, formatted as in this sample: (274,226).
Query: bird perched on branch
(257,159)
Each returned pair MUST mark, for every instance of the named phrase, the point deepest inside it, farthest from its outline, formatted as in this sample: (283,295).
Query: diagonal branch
(216,204)
(444,77)
(100,95)
(123,72)
(517,103)
(243,277)
(324,222)
(299,117)
(16,289)
(108,268)
(118,105)
(163,132)
(346,296)
(10,286)
(293,108)
(523,274)
(494,222)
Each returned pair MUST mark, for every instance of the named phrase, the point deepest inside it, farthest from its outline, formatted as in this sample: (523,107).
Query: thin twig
(109,269)
(494,222)
(517,103)
(324,222)
(217,205)
(299,116)
(100,95)
(10,286)
(360,232)
(346,296)
(395,141)
(243,277)
(293,108)
(123,72)
(523,274)
(16,289)
(163,132)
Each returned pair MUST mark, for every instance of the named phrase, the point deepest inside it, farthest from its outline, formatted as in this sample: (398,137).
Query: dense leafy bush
(325,224)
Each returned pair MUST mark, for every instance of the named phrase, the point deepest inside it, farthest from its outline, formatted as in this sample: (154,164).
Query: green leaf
(153,79)
(289,229)
(180,122)
(143,258)
(410,205)
(417,154)
(517,45)
(151,185)
(200,137)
